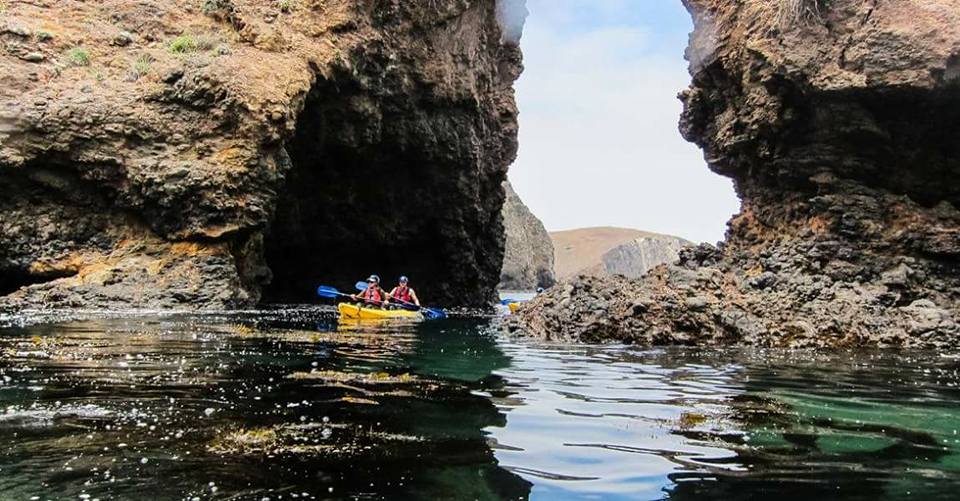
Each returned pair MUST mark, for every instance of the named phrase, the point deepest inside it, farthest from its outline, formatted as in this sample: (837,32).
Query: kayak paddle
(428,313)
(329,292)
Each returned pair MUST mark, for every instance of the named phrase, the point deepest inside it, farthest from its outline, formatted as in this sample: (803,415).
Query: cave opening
(12,280)
(357,200)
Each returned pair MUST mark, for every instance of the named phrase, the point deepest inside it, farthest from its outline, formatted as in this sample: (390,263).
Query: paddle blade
(327,291)
(433,314)
(361,286)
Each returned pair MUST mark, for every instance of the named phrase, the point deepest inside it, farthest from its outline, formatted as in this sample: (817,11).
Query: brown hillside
(581,250)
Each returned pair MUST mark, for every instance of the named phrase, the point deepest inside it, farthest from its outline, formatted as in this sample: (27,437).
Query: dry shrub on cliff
(78,56)
(141,67)
(215,6)
(792,12)
(186,43)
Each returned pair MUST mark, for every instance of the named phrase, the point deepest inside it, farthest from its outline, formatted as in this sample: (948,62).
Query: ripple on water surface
(289,404)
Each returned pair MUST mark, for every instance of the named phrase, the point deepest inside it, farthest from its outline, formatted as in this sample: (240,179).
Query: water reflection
(247,407)
(602,421)
(290,404)
(867,425)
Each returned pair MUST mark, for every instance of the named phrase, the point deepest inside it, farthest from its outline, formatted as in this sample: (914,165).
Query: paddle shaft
(331,290)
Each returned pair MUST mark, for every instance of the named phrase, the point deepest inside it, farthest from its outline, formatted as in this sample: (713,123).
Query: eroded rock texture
(528,250)
(212,154)
(840,131)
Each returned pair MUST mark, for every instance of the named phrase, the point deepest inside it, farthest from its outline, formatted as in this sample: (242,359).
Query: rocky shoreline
(832,128)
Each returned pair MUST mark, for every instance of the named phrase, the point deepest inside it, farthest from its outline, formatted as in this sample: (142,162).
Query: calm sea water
(289,404)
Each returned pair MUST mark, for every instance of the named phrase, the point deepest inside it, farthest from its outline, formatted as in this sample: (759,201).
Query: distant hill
(607,250)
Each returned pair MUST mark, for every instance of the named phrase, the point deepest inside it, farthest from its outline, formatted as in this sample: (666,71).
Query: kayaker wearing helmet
(373,294)
(404,294)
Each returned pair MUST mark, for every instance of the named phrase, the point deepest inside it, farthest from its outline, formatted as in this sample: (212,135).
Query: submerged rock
(528,251)
(161,154)
(831,124)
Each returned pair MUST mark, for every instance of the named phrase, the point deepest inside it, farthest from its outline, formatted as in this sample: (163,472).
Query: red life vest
(403,294)
(372,295)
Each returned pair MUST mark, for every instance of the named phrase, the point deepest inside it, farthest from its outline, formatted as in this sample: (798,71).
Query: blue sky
(599,144)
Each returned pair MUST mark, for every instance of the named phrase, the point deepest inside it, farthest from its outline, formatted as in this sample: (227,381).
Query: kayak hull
(353,312)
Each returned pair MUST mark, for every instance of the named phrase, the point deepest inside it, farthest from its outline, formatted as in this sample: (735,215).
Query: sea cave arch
(389,184)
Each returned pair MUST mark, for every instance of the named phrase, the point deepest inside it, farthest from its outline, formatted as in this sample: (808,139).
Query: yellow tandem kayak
(354,312)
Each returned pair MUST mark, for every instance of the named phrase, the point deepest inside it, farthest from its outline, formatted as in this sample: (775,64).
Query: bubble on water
(326,419)
(144,460)
(209,411)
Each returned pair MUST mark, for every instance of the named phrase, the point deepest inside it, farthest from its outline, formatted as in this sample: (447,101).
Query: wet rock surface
(158,155)
(528,250)
(834,130)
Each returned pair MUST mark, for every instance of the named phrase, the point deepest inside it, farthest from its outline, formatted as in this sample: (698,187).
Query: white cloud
(599,144)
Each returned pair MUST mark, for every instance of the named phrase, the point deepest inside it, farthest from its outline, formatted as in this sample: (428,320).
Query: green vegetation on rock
(78,56)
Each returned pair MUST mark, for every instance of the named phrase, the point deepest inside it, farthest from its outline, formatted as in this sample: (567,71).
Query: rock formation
(603,251)
(635,258)
(839,127)
(528,252)
(215,153)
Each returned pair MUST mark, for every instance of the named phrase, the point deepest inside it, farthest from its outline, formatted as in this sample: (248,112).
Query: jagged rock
(123,39)
(343,139)
(528,250)
(833,127)
(33,57)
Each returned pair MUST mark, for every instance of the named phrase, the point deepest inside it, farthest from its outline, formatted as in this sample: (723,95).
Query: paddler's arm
(413,295)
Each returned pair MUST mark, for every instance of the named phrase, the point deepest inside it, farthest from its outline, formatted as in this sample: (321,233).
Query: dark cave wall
(395,170)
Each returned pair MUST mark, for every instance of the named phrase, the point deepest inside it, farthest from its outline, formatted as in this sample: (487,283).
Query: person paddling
(404,294)
(373,295)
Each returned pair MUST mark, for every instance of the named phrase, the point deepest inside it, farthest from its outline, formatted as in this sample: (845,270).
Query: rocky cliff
(837,122)
(216,153)
(635,258)
(528,251)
